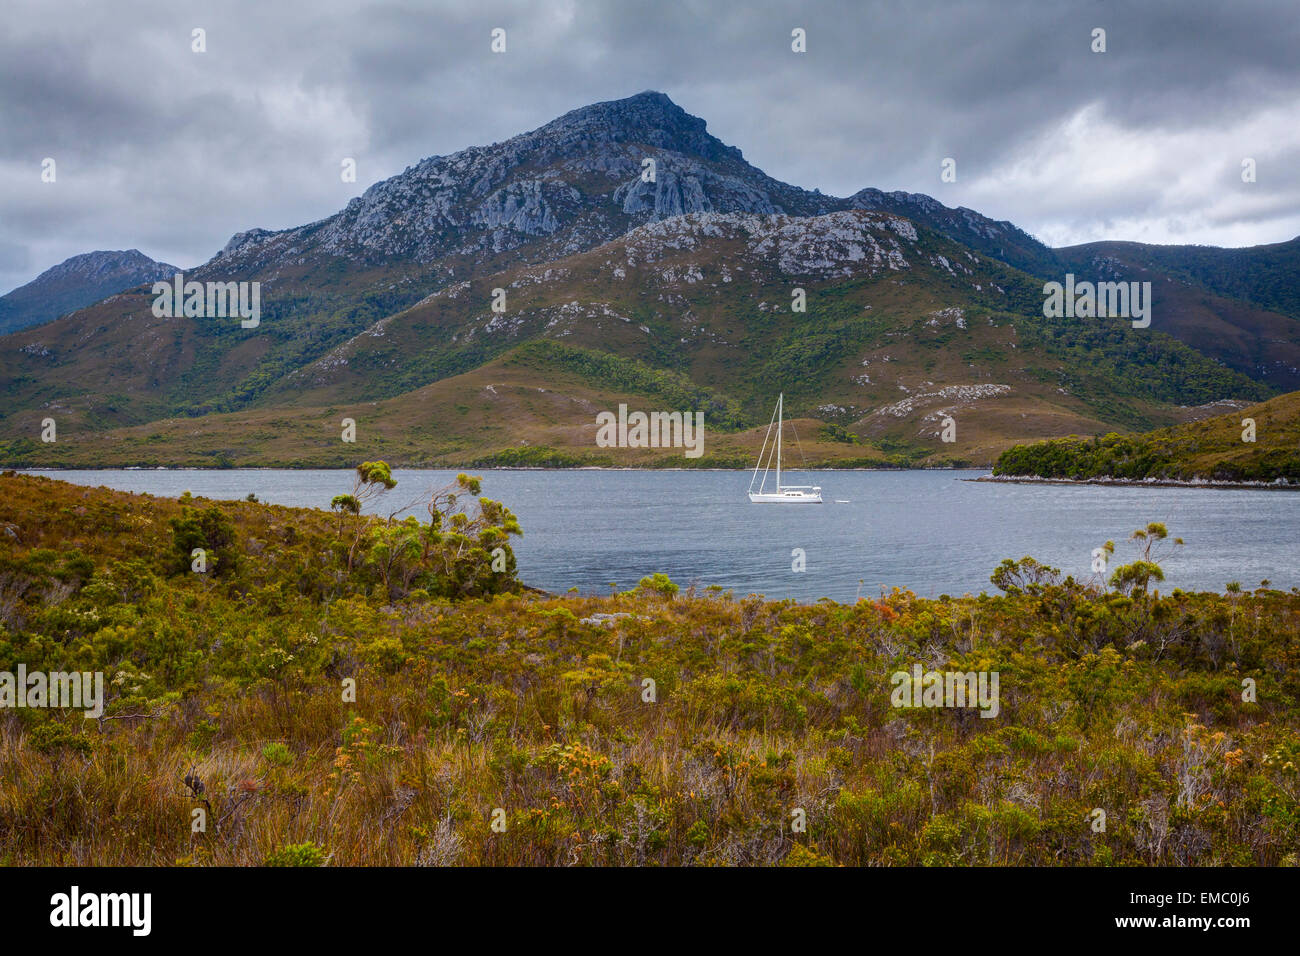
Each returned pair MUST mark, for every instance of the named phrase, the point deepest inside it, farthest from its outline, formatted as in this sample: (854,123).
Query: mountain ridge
(902,327)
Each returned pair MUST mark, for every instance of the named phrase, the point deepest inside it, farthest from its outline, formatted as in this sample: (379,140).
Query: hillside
(322,711)
(1213,449)
(76,283)
(901,328)
(1004,241)
(1237,306)
(1263,275)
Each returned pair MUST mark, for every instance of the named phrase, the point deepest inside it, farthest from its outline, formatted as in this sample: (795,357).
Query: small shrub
(277,754)
(296,854)
(51,737)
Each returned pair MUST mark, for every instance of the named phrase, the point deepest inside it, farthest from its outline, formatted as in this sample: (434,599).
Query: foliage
(1132,703)
(296,854)
(657,583)
(606,370)
(1211,449)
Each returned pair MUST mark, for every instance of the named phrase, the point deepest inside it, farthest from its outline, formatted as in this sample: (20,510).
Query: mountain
(1254,443)
(902,327)
(76,283)
(621,286)
(567,186)
(1241,307)
(889,305)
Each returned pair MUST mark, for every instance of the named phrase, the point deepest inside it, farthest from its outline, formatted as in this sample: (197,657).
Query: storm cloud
(171,151)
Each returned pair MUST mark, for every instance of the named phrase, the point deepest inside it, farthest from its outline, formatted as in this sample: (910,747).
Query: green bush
(296,854)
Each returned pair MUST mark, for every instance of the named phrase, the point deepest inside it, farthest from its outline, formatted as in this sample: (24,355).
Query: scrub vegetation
(341,687)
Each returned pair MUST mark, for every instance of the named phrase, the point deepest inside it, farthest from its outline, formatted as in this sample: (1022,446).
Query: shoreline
(1201,483)
(694,582)
(1197,483)
(24,469)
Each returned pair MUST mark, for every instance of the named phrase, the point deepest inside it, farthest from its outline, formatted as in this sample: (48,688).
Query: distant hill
(1212,449)
(1241,307)
(76,283)
(1262,275)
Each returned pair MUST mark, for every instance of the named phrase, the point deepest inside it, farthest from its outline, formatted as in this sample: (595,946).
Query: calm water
(925,530)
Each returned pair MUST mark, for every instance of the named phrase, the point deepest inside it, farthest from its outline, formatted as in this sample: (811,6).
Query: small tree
(210,529)
(464,550)
(467,547)
(394,550)
(372,479)
(1026,576)
(1134,579)
(345,505)
(657,583)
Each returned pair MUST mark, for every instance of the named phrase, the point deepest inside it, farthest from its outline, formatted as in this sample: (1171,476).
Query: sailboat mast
(780,419)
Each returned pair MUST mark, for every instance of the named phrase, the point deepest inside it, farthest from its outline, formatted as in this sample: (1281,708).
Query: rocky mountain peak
(1000,239)
(568,185)
(650,118)
(571,185)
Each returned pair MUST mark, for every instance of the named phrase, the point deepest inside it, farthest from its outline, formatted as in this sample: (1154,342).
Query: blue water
(929,531)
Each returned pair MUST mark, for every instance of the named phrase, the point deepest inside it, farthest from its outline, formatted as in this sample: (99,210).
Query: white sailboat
(784,494)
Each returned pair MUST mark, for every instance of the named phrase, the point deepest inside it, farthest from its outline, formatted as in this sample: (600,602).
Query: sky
(172,151)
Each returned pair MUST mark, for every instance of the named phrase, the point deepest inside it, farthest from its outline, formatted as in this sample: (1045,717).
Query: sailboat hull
(785,498)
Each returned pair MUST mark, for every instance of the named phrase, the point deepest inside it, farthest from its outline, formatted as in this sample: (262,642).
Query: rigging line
(798,445)
(759,463)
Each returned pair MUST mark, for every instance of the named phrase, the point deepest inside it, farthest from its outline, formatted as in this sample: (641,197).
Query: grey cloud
(172,152)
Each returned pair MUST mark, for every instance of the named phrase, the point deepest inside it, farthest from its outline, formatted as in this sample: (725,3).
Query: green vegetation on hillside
(1105,358)
(336,711)
(606,371)
(1214,449)
(1264,275)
